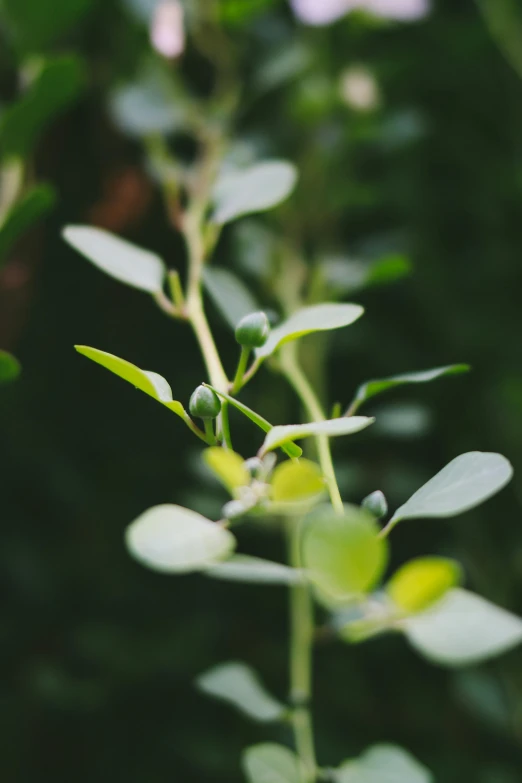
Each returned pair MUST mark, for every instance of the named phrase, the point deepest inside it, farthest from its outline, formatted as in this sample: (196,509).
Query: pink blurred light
(167,33)
(323,12)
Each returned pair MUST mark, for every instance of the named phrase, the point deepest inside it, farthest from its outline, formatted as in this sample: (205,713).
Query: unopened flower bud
(204,403)
(376,504)
(253,330)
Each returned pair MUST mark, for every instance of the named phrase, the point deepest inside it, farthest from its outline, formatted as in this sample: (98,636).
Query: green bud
(204,403)
(252,331)
(376,504)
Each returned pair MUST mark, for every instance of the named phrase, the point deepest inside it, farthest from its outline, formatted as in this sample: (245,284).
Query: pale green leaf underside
(271,763)
(254,189)
(463,629)
(464,483)
(243,568)
(237,684)
(173,539)
(317,318)
(372,388)
(9,367)
(118,258)
(280,435)
(149,382)
(229,294)
(383,764)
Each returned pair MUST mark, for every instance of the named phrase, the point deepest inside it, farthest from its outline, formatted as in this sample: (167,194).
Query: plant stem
(301,640)
(292,370)
(209,432)
(241,368)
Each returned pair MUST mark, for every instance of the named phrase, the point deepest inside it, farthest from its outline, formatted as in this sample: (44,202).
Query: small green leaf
(372,388)
(118,258)
(32,206)
(173,539)
(290,449)
(9,367)
(153,104)
(254,189)
(343,554)
(243,568)
(57,83)
(463,629)
(280,435)
(237,684)
(422,582)
(345,275)
(383,764)
(149,382)
(316,318)
(464,483)
(295,481)
(228,466)
(271,763)
(229,294)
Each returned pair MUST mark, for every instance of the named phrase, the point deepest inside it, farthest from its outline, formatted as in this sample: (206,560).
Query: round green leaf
(173,539)
(383,764)
(280,435)
(463,629)
(118,258)
(317,318)
(228,466)
(464,483)
(243,568)
(237,684)
(294,481)
(422,582)
(9,367)
(271,763)
(255,189)
(342,553)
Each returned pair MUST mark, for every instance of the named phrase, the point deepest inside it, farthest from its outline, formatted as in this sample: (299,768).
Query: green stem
(292,369)
(209,431)
(225,425)
(237,383)
(302,630)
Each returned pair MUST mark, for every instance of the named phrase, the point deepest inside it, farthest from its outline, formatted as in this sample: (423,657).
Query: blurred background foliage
(99,654)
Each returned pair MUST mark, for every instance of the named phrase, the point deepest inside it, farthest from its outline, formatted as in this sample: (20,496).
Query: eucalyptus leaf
(229,294)
(282,434)
(289,448)
(33,205)
(173,539)
(383,764)
(257,188)
(463,629)
(9,367)
(118,258)
(419,584)
(372,388)
(464,483)
(243,568)
(149,382)
(228,466)
(342,553)
(271,763)
(295,481)
(316,318)
(237,684)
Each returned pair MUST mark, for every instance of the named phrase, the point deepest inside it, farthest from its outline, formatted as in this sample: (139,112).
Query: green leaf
(34,27)
(372,388)
(118,258)
(295,481)
(149,382)
(464,483)
(243,568)
(254,189)
(280,435)
(317,318)
(271,763)
(290,449)
(151,105)
(173,539)
(343,554)
(229,294)
(30,208)
(345,276)
(21,125)
(463,629)
(422,582)
(237,684)
(228,466)
(9,367)
(383,764)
